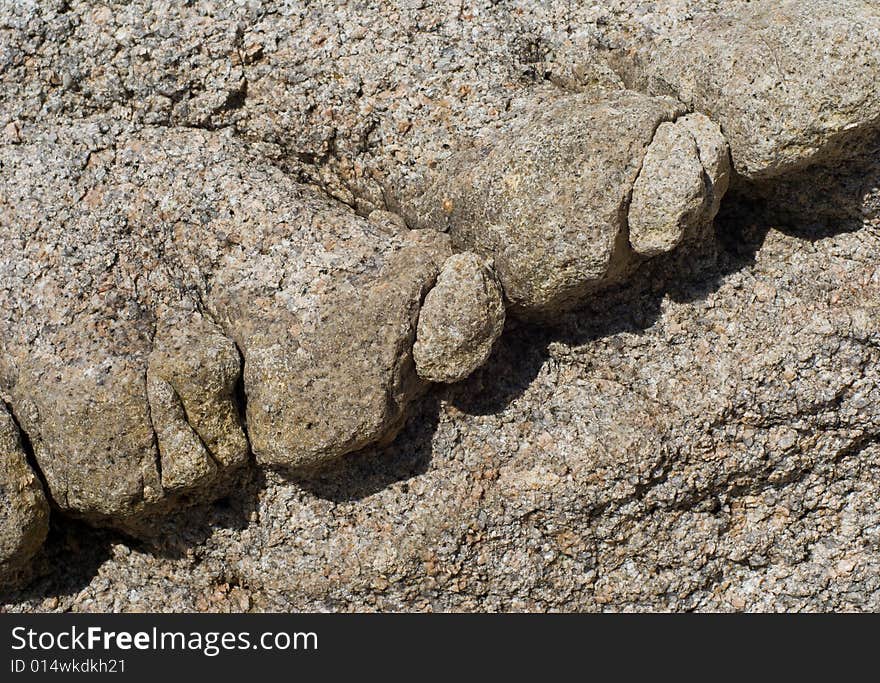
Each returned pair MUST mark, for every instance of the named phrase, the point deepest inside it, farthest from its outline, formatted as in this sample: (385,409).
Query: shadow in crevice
(68,562)
(821,201)
(74,550)
(631,308)
(358,475)
(817,203)
(523,350)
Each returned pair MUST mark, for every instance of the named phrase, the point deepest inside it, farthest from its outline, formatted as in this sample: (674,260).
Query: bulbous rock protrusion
(684,175)
(191,380)
(669,195)
(24,512)
(547,202)
(714,153)
(460,321)
(345,379)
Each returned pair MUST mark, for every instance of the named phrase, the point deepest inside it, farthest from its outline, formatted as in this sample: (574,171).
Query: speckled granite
(222,223)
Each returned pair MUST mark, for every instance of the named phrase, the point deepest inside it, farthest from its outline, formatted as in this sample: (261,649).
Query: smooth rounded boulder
(460,321)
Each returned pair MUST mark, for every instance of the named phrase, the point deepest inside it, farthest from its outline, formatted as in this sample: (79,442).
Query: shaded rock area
(474,306)
(24,513)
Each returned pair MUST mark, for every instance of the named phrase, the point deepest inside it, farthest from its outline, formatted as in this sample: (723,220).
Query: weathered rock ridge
(232,240)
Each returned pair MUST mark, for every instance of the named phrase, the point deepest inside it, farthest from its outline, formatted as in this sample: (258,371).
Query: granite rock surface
(24,513)
(461,320)
(480,306)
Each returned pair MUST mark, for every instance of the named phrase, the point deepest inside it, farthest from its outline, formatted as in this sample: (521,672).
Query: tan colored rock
(119,336)
(548,201)
(460,321)
(685,173)
(714,153)
(700,445)
(192,375)
(791,82)
(24,512)
(343,380)
(669,196)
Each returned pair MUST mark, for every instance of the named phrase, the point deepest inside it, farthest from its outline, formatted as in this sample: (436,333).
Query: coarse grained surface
(460,321)
(788,81)
(24,512)
(121,341)
(713,446)
(679,443)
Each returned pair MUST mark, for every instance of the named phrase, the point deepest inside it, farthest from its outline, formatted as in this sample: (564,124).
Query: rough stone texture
(551,198)
(790,82)
(120,329)
(460,321)
(669,196)
(548,203)
(24,513)
(184,184)
(709,446)
(714,153)
(192,374)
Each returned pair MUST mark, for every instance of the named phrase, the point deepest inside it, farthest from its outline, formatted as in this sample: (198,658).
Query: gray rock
(24,512)
(460,321)
(790,82)
(709,448)
(335,377)
(714,153)
(675,195)
(82,282)
(548,202)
